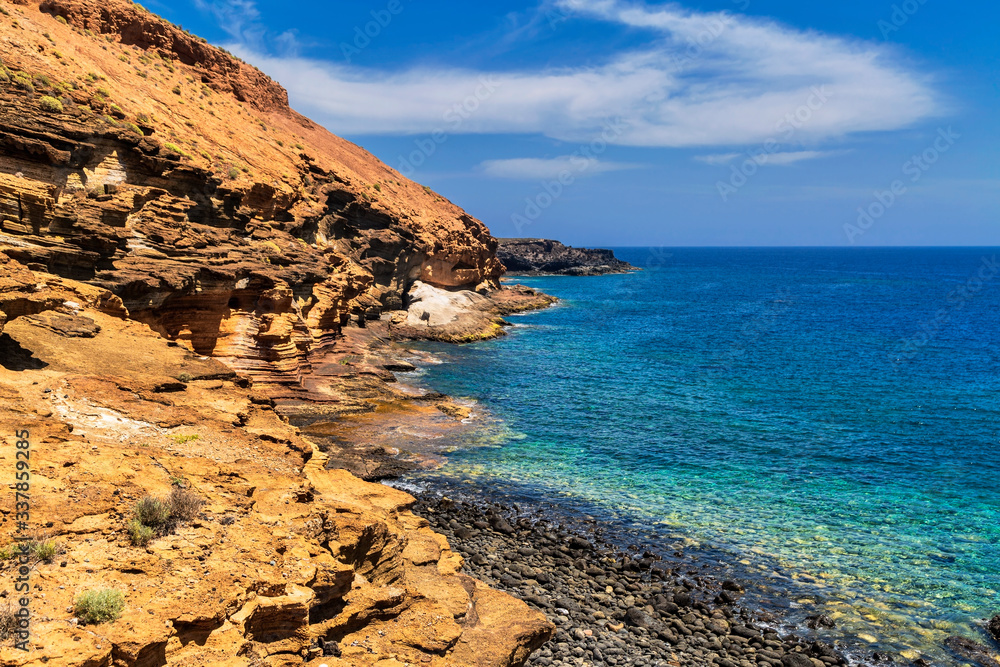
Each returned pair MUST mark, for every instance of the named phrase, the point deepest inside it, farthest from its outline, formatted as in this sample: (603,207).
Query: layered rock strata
(286,563)
(136,158)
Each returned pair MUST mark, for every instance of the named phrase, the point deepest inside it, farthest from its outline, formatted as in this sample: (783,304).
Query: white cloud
(539,169)
(710,79)
(718,158)
(774,159)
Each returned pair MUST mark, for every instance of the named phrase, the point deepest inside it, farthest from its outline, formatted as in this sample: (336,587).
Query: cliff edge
(178,251)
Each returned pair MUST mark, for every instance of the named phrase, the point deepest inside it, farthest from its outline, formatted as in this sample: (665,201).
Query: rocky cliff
(281,562)
(179,249)
(545,257)
(137,158)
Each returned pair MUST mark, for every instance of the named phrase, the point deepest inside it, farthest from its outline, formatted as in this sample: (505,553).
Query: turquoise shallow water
(830,419)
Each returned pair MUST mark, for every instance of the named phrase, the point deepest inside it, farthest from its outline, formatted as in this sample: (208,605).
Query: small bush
(184,505)
(184,377)
(43,80)
(8,622)
(152,512)
(100,606)
(184,439)
(139,534)
(234,173)
(57,55)
(102,92)
(61,19)
(51,104)
(123,57)
(4,77)
(377,187)
(45,550)
(23,82)
(132,127)
(176,90)
(143,118)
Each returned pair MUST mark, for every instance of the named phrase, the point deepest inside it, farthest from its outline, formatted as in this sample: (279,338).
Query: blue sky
(612,122)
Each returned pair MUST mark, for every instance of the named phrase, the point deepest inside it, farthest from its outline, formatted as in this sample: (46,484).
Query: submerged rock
(993,627)
(972,651)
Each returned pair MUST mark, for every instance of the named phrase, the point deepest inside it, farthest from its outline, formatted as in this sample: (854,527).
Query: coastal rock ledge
(528,257)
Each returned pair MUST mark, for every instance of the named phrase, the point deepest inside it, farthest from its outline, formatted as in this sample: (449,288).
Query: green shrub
(61,19)
(143,118)
(234,173)
(23,81)
(152,512)
(102,92)
(132,126)
(51,104)
(45,550)
(4,77)
(43,80)
(100,606)
(377,187)
(174,148)
(176,90)
(139,534)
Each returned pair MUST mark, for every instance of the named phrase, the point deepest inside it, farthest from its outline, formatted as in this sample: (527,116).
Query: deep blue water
(766,403)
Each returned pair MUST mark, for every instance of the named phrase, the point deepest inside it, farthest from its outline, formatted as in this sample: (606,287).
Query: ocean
(824,422)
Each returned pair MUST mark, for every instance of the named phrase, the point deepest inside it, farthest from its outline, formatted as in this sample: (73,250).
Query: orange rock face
(285,557)
(168,227)
(177,178)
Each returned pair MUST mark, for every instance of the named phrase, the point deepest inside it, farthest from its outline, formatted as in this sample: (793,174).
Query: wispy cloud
(709,79)
(773,159)
(538,169)
(241,20)
(718,158)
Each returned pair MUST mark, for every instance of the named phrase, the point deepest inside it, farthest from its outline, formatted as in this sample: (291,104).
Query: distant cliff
(542,256)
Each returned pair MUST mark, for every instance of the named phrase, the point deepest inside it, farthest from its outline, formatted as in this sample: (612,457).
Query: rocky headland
(187,265)
(533,257)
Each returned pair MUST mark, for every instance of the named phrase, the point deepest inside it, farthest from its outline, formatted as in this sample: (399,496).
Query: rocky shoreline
(611,607)
(544,257)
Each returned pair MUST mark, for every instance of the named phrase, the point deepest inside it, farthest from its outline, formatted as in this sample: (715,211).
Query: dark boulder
(972,651)
(639,618)
(993,627)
